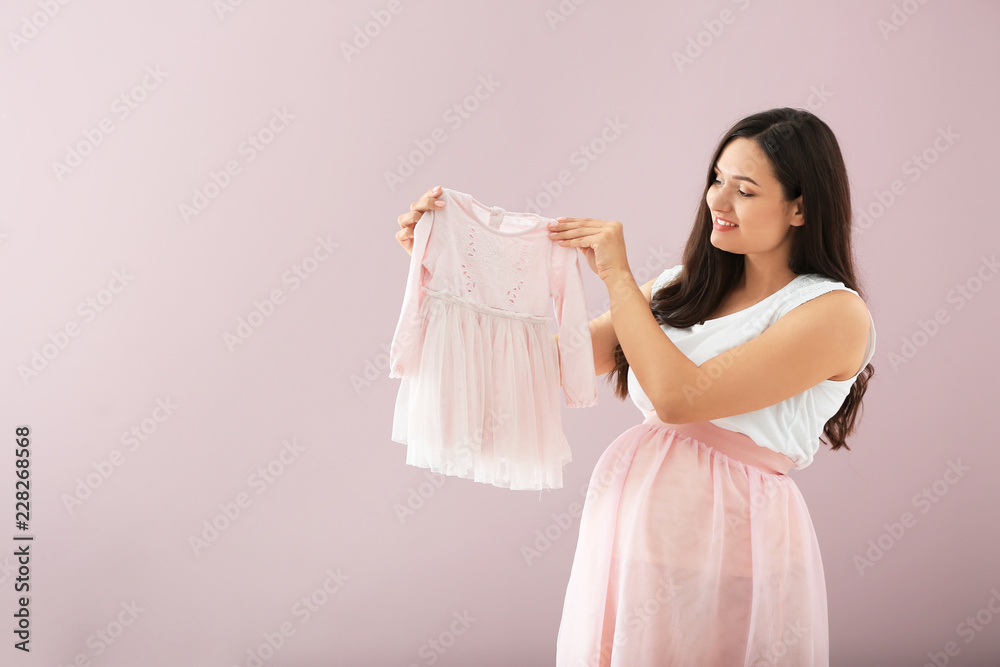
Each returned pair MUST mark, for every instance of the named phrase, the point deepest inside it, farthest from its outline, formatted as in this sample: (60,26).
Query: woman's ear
(797,212)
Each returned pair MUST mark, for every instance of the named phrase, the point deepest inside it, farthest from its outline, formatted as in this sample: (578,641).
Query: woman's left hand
(602,243)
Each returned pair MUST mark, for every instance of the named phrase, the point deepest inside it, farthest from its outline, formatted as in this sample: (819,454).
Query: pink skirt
(695,549)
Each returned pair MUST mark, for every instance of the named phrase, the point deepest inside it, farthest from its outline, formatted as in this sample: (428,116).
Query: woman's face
(747,194)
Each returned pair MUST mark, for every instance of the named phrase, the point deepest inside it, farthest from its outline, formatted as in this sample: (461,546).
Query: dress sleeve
(576,352)
(408,327)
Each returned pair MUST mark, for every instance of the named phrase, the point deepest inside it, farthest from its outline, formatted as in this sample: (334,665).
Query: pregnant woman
(696,548)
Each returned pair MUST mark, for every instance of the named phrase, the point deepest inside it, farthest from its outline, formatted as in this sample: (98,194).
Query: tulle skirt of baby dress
(482,401)
(695,550)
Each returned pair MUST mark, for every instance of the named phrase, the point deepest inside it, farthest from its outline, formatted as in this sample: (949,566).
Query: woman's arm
(604,338)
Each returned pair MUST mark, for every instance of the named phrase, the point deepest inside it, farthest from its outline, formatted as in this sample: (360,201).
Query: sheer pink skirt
(695,550)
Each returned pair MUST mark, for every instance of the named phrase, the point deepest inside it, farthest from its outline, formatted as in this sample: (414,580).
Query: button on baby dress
(479,396)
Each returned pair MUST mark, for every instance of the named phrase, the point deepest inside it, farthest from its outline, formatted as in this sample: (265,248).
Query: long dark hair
(807,161)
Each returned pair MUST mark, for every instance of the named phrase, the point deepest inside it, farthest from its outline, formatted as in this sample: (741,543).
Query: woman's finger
(571,233)
(409,219)
(428,201)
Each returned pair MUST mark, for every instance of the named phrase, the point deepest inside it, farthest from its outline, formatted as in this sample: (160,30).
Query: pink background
(314,371)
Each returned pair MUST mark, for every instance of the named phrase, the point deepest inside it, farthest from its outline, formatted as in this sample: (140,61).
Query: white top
(793,426)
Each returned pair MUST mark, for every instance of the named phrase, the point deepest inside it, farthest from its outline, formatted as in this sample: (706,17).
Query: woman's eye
(742,194)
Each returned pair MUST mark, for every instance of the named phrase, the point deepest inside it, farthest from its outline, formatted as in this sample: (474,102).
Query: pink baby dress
(480,370)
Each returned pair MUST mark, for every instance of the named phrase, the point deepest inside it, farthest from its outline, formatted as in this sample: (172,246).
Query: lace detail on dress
(485,254)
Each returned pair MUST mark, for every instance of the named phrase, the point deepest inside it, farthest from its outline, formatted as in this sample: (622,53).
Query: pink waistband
(735,445)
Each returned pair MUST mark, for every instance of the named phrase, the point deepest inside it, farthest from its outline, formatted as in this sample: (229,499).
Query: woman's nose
(717,198)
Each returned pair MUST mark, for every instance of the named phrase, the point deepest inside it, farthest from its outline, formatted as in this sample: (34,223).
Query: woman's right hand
(429,201)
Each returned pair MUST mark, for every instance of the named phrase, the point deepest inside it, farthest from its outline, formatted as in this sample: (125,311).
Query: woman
(695,547)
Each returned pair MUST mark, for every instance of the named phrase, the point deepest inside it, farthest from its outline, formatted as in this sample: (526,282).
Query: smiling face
(747,194)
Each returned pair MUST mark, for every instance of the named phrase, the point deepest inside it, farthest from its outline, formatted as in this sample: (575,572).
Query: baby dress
(480,371)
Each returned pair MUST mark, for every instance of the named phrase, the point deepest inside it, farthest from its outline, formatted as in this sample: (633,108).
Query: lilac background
(314,371)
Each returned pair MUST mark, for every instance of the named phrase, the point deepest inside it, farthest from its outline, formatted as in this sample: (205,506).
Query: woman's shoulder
(830,297)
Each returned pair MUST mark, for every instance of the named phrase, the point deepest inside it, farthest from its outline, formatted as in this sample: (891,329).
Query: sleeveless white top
(793,426)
